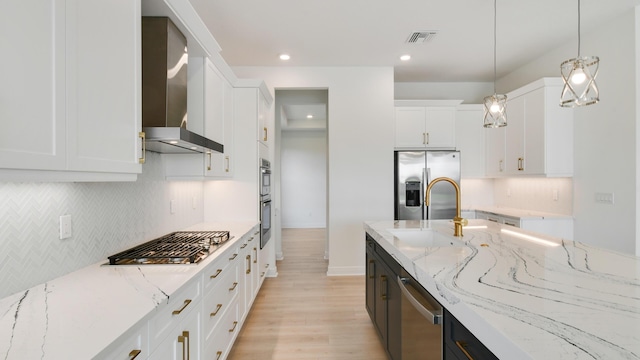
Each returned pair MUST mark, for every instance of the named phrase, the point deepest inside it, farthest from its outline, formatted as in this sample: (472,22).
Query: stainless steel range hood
(164,91)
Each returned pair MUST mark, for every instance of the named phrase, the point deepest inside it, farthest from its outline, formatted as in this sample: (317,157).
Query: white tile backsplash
(535,194)
(106,218)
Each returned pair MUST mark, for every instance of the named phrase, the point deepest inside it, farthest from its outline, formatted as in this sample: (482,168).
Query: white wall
(604,134)
(303,161)
(360,160)
(106,218)
(468,92)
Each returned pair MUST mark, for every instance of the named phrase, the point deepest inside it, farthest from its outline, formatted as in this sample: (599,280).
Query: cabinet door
(495,151)
(534,132)
(264,125)
(515,161)
(214,89)
(440,127)
(32,96)
(227,164)
(410,127)
(370,280)
(470,140)
(183,341)
(103,85)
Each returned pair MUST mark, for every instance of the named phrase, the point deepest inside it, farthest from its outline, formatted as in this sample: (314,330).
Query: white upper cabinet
(425,124)
(71,100)
(470,140)
(539,133)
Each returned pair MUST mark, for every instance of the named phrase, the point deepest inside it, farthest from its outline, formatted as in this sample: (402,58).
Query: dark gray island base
(449,340)
(506,293)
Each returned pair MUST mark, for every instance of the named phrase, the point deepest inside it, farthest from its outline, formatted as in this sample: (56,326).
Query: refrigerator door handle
(426,175)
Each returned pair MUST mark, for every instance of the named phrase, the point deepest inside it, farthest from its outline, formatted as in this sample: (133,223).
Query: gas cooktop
(182,247)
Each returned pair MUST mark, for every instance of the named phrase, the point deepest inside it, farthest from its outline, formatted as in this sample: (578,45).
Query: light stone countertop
(78,315)
(524,299)
(518,213)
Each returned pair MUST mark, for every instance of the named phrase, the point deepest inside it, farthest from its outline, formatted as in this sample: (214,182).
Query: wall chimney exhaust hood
(164,91)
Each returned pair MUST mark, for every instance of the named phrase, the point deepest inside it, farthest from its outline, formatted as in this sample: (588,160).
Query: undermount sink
(424,238)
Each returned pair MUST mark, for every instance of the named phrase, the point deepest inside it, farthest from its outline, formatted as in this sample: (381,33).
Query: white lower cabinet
(183,339)
(133,345)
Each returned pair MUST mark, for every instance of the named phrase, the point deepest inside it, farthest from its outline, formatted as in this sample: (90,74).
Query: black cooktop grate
(182,247)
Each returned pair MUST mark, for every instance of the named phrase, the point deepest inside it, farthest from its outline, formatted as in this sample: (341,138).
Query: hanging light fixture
(495,106)
(579,77)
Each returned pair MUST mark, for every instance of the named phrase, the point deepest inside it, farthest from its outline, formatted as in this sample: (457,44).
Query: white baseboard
(272,272)
(279,256)
(345,270)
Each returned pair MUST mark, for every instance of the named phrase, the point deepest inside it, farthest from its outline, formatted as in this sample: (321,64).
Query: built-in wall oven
(265,202)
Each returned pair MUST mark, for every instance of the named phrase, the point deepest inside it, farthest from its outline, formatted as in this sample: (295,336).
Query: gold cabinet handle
(218,307)
(184,339)
(372,274)
(266,134)
(209,156)
(142,136)
(235,284)
(520,164)
(228,162)
(463,347)
(233,257)
(243,246)
(427,139)
(255,258)
(262,274)
(184,306)
(501,165)
(248,271)
(383,284)
(216,274)
(235,323)
(134,354)
(218,354)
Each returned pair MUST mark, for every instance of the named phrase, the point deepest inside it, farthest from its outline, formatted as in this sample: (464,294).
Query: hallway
(304,314)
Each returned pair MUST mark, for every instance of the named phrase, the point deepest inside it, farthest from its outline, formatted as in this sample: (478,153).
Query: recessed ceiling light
(285,57)
(309,116)
(405,57)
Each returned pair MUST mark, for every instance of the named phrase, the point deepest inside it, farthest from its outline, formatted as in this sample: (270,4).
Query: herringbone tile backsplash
(106,218)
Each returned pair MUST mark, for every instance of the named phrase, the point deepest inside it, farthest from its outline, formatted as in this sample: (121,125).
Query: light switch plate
(605,198)
(65,227)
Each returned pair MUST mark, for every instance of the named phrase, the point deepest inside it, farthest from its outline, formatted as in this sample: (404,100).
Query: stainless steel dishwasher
(421,321)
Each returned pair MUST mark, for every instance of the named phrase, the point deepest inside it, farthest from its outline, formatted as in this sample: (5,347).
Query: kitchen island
(524,295)
(92,312)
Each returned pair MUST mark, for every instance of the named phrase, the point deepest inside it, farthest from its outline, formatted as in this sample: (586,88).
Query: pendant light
(579,77)
(495,106)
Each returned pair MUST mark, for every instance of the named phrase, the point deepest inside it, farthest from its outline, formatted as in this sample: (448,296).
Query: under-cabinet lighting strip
(529,237)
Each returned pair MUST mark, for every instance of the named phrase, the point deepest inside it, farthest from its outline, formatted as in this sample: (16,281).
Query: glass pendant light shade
(495,106)
(495,111)
(579,77)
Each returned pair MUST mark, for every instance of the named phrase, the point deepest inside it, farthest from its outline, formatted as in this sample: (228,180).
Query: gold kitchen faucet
(458,221)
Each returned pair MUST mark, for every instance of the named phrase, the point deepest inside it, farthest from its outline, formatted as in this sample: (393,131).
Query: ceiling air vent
(418,37)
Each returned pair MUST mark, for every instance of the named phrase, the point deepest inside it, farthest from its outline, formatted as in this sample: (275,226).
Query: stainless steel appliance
(421,321)
(265,202)
(182,247)
(413,172)
(164,91)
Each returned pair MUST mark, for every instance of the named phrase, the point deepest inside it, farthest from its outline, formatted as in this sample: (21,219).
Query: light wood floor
(304,314)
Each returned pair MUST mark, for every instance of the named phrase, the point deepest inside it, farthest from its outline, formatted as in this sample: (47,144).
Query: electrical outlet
(605,198)
(65,227)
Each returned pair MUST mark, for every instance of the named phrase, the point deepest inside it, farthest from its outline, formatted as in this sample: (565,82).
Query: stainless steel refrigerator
(414,170)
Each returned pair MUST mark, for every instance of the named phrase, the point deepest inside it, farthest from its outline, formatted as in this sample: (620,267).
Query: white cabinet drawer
(177,309)
(218,300)
(220,343)
(215,271)
(132,345)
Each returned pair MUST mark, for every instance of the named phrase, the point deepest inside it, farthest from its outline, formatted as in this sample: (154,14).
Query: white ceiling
(373,33)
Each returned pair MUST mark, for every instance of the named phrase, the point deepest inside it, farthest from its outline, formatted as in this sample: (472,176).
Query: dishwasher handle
(435,319)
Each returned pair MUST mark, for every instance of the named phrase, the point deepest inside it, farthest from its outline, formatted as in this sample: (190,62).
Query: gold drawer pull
(235,284)
(235,323)
(186,303)
(243,246)
(142,136)
(226,169)
(248,258)
(218,307)
(216,274)
(266,134)
(209,165)
(134,354)
(233,257)
(184,339)
(462,345)
(218,354)
(255,259)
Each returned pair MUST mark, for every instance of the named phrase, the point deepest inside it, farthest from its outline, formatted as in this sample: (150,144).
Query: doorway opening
(301,166)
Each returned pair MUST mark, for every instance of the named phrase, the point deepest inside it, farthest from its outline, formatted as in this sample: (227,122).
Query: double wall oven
(265,202)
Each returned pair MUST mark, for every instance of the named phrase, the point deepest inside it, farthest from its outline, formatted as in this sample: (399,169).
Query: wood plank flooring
(305,314)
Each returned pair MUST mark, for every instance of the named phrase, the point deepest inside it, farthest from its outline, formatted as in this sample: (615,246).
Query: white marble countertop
(524,299)
(518,213)
(78,315)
